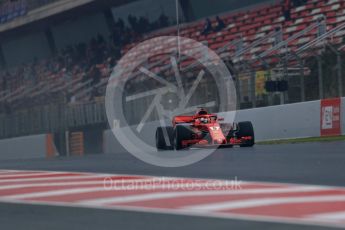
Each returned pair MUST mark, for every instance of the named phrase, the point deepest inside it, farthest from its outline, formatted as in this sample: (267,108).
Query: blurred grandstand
(57,55)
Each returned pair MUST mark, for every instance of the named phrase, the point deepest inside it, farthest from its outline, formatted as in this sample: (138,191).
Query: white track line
(7,172)
(330,216)
(140,187)
(164,195)
(3,173)
(53,183)
(183,178)
(53,193)
(115,180)
(10,170)
(29,174)
(110,180)
(52,179)
(252,203)
(304,221)
(270,219)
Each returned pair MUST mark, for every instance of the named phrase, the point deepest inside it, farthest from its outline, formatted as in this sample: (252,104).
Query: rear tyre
(245,129)
(160,139)
(181,133)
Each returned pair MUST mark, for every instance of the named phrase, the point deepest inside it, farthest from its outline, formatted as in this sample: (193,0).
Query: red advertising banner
(330,124)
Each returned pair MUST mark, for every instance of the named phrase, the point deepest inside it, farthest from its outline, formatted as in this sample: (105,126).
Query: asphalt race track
(307,164)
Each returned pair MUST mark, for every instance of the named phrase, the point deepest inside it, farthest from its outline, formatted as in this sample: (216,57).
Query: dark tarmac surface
(307,163)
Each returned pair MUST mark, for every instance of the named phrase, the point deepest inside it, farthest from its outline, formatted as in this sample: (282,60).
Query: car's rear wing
(183,119)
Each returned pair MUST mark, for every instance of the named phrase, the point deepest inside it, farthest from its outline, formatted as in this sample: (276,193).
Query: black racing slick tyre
(161,141)
(181,133)
(245,129)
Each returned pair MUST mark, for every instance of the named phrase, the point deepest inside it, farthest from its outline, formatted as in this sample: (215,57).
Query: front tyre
(165,138)
(246,130)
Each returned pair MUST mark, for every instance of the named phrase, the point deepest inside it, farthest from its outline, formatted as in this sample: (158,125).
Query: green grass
(302,140)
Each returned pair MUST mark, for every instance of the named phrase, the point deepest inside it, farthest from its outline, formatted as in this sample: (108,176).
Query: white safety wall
(276,122)
(23,147)
(342,119)
(284,121)
(296,120)
(110,143)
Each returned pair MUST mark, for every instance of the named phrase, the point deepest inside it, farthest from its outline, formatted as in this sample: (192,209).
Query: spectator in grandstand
(90,61)
(287,10)
(94,93)
(106,68)
(66,74)
(239,46)
(207,27)
(120,24)
(143,25)
(133,22)
(114,49)
(297,3)
(278,35)
(220,24)
(73,99)
(127,36)
(80,52)
(230,66)
(96,75)
(163,21)
(115,36)
(26,71)
(111,62)
(287,14)
(11,9)
(101,49)
(93,74)
(322,28)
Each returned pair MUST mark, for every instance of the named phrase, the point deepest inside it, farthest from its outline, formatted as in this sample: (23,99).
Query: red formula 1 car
(203,130)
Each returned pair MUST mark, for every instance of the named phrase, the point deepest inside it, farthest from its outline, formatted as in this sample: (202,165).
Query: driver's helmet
(202,111)
(204,120)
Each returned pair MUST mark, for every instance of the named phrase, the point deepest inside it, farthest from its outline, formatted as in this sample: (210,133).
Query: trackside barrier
(296,120)
(51,119)
(51,150)
(276,122)
(23,147)
(342,115)
(330,117)
(111,144)
(76,143)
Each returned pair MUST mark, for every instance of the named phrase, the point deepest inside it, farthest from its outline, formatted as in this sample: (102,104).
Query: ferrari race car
(203,130)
